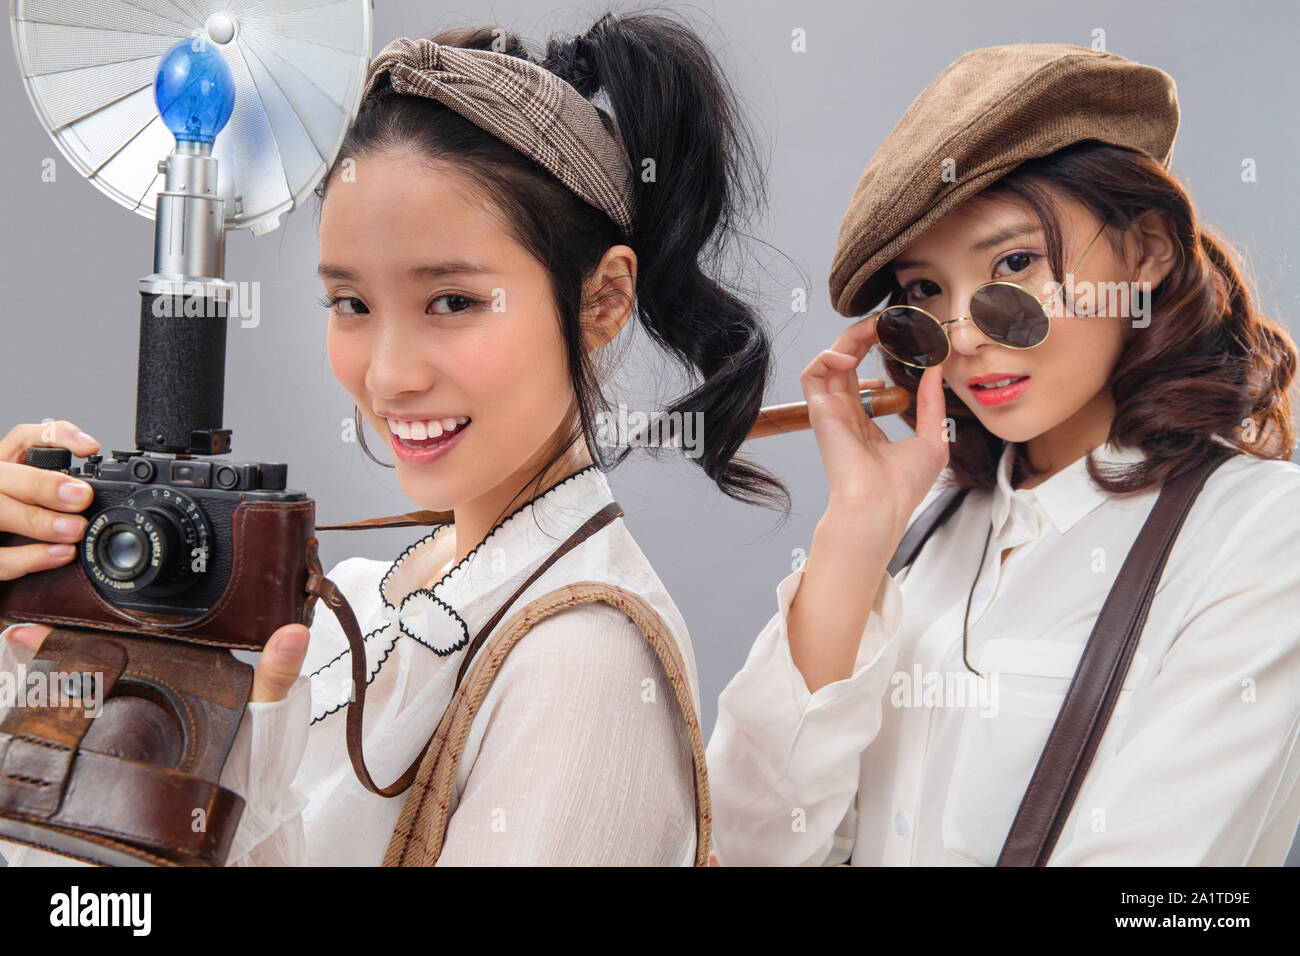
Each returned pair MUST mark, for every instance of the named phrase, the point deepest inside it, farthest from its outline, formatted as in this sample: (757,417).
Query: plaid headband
(523,105)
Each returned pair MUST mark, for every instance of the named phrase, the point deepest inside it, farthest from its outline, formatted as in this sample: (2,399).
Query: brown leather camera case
(266,590)
(139,782)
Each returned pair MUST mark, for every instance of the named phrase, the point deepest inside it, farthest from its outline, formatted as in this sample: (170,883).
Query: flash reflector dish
(299,67)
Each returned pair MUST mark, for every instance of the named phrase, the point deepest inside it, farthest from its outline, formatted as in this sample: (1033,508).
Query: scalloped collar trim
(444,616)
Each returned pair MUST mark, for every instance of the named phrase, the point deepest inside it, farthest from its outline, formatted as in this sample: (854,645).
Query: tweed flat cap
(989,111)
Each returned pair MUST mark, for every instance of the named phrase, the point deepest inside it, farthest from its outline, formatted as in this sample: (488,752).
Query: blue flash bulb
(194,90)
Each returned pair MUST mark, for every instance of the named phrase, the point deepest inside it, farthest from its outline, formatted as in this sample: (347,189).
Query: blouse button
(1022,510)
(900,822)
(982,592)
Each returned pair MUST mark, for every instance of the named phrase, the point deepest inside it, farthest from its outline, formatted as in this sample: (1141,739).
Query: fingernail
(60,550)
(86,439)
(74,491)
(291,645)
(67,525)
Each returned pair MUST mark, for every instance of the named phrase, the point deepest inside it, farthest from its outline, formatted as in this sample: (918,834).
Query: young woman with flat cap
(1076,339)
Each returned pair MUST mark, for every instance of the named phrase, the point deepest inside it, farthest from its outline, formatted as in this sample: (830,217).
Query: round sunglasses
(1004,312)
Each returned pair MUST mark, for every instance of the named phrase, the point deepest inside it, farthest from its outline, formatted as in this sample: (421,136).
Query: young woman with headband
(1076,339)
(485,231)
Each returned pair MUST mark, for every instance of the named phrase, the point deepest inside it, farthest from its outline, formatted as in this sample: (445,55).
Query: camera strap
(320,586)
(1103,663)
(410,519)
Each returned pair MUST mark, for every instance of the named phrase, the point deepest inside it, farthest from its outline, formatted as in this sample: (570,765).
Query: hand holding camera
(41,504)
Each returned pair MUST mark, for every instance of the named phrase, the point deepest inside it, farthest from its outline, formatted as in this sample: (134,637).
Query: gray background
(72,257)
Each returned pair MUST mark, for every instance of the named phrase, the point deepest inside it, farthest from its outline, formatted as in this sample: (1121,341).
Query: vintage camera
(159,533)
(175,546)
(181,559)
(186,555)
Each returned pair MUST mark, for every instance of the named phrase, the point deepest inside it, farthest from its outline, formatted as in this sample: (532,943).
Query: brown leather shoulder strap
(410,519)
(323,587)
(939,511)
(593,524)
(1099,677)
(421,828)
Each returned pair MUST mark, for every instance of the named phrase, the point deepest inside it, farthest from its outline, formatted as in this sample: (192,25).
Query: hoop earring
(361,438)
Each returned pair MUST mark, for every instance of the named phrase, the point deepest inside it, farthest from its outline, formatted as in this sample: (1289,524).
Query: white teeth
(999,384)
(430,428)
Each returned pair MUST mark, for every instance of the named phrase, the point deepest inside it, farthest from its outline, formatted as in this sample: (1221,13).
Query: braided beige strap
(521,104)
(418,837)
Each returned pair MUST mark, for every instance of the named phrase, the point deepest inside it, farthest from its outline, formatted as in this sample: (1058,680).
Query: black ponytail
(694,173)
(673,108)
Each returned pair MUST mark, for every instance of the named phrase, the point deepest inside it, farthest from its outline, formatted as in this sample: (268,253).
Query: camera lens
(154,543)
(122,552)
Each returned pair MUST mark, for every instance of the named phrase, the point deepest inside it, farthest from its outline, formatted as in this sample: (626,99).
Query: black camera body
(209,551)
(159,533)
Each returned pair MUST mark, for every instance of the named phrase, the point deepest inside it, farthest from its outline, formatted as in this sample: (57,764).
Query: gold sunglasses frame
(943,326)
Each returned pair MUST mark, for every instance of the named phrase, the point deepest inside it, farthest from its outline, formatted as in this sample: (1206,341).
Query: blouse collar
(444,615)
(1063,499)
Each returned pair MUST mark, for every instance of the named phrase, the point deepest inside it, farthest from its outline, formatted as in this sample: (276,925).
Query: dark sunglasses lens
(1009,315)
(912,336)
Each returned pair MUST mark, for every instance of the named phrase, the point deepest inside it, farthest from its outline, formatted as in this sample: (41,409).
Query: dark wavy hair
(671,102)
(1206,365)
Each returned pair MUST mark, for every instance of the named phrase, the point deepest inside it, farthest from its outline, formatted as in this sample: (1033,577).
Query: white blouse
(578,754)
(914,761)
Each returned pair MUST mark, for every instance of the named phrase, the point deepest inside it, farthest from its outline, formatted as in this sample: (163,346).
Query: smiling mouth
(427,433)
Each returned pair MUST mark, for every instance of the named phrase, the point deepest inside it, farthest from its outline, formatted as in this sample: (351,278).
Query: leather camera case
(266,588)
(137,783)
